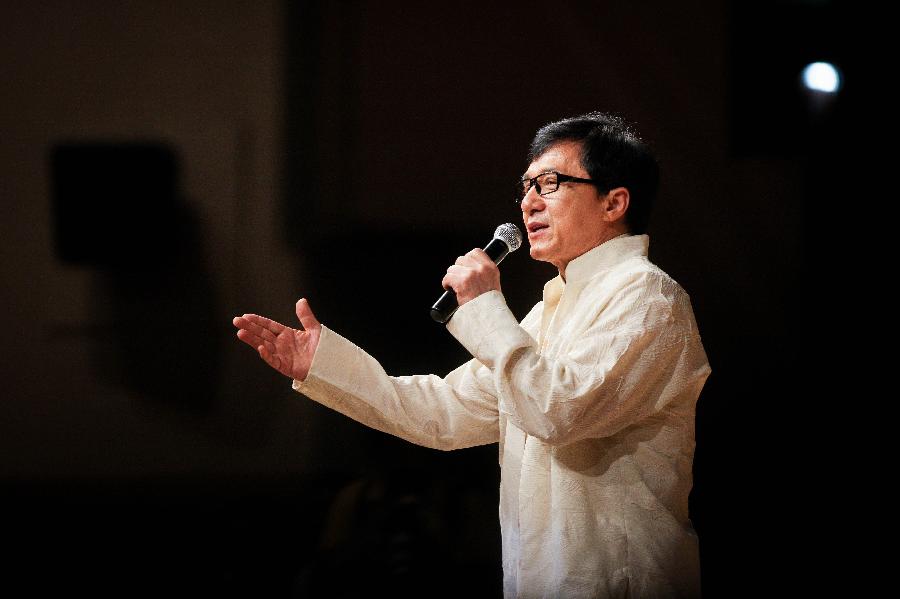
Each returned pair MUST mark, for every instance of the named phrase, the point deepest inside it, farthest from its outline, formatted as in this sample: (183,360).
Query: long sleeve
(635,357)
(456,411)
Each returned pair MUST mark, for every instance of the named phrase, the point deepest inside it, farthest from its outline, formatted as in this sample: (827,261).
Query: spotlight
(822,77)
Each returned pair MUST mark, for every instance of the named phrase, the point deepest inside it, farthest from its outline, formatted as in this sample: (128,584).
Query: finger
(252,340)
(248,337)
(265,324)
(271,359)
(455,275)
(482,256)
(479,258)
(466,260)
(256,334)
(305,315)
(260,326)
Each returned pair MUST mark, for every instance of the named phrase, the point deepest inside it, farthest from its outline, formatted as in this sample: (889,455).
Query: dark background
(167,166)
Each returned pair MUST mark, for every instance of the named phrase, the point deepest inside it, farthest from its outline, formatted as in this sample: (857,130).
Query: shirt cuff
(487,328)
(329,365)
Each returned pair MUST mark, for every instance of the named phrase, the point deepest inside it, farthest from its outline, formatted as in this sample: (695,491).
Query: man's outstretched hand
(289,351)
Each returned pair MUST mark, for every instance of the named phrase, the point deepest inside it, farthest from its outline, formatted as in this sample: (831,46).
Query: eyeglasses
(546,183)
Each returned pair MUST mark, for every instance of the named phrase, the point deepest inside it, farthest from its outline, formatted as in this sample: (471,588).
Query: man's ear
(617,201)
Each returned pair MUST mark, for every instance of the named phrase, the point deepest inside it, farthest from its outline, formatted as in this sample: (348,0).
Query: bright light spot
(822,77)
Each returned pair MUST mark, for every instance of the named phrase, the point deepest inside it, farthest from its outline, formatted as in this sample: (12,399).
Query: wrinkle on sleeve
(452,412)
(630,363)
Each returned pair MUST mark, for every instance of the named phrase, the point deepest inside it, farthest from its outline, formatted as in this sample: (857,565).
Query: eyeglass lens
(544,183)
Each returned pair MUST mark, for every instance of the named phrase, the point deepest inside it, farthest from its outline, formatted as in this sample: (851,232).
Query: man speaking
(591,396)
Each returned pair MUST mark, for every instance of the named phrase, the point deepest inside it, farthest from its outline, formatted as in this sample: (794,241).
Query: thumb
(306,316)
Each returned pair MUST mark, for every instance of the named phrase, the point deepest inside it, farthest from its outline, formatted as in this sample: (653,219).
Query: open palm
(289,351)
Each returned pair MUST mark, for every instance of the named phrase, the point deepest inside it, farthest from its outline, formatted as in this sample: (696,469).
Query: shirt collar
(602,257)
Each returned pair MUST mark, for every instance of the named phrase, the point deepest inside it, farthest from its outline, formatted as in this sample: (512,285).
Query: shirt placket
(534,478)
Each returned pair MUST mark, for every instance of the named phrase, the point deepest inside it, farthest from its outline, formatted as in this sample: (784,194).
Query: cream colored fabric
(591,399)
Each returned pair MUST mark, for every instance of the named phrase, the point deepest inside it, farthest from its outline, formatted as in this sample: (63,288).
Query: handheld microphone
(507,238)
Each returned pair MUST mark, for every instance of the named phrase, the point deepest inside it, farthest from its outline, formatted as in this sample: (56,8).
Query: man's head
(578,216)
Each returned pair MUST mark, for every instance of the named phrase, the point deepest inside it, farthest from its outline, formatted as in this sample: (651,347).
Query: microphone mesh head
(510,234)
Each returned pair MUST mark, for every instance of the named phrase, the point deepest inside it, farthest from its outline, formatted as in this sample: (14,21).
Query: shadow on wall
(118,211)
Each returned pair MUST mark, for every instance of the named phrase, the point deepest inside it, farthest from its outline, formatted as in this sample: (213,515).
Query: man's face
(568,222)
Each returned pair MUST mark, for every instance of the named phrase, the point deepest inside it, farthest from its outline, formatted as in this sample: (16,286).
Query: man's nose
(532,202)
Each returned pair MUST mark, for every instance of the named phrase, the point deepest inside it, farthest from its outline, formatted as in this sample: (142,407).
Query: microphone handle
(444,308)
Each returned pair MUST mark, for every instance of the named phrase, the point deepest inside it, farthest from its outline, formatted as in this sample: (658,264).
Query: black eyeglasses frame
(560,178)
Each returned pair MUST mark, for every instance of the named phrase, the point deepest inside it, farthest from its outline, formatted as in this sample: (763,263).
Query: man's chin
(538,253)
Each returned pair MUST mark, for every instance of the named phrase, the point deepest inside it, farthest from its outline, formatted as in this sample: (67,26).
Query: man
(591,397)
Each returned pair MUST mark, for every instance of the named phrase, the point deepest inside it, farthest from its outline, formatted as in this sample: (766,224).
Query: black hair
(613,155)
